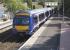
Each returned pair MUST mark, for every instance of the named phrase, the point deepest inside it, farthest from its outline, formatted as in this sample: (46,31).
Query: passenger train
(27,21)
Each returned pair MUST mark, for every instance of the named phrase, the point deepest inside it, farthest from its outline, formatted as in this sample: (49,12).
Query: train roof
(35,11)
(40,10)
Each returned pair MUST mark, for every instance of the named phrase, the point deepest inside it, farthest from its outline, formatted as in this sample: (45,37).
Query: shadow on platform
(50,44)
(52,25)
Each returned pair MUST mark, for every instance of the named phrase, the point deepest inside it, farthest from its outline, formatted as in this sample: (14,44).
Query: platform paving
(65,35)
(46,38)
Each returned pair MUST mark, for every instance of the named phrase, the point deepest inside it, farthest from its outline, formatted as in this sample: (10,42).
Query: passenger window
(50,12)
(35,19)
(46,13)
(41,16)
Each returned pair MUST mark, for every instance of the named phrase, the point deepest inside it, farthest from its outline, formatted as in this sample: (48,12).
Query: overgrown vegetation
(14,5)
(66,8)
(29,3)
(41,2)
(51,0)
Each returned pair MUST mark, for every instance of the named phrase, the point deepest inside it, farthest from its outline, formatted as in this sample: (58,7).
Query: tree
(51,0)
(29,3)
(1,1)
(41,2)
(14,5)
(66,8)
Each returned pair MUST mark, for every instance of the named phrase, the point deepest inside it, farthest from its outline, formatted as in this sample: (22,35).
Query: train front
(21,22)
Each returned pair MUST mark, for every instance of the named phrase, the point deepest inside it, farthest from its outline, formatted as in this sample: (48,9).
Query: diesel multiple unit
(27,21)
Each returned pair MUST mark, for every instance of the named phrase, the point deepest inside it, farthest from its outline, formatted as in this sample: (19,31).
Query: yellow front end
(22,28)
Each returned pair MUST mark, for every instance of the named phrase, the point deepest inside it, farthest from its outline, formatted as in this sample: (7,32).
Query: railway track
(11,41)
(4,26)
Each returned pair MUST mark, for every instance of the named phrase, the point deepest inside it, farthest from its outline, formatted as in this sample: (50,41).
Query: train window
(55,10)
(35,19)
(41,16)
(47,13)
(21,20)
(50,11)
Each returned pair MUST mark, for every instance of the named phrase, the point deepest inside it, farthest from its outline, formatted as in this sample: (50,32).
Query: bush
(41,3)
(14,5)
(66,8)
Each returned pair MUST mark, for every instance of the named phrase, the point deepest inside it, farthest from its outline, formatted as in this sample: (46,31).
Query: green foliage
(51,0)
(29,3)
(41,2)
(1,1)
(14,5)
(66,8)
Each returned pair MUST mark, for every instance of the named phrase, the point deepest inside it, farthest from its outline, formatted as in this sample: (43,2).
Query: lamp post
(63,10)
(58,9)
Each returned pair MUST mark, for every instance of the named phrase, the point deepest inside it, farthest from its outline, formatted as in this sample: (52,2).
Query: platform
(46,38)
(65,35)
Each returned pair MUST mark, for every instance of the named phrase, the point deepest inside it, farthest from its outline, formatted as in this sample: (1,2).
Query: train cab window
(41,16)
(21,20)
(35,19)
(47,13)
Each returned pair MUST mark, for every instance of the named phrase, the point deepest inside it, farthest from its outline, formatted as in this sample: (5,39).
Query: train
(26,21)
